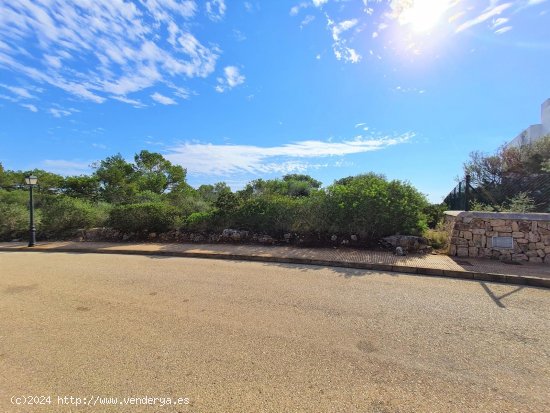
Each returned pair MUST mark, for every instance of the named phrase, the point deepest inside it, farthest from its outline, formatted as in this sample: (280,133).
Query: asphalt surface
(258,337)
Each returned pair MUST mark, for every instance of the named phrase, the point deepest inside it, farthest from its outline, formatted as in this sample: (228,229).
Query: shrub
(62,215)
(14,221)
(437,238)
(203,221)
(152,217)
(373,207)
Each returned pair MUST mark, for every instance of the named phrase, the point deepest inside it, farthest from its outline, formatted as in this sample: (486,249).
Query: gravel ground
(256,337)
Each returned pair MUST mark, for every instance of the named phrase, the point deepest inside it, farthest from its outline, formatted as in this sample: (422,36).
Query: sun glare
(421,15)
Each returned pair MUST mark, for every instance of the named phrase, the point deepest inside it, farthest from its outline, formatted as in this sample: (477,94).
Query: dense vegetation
(513,179)
(151,195)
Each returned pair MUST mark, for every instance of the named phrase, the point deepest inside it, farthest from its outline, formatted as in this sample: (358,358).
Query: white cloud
(294,10)
(32,108)
(232,78)
(319,3)
(503,30)
(19,91)
(134,102)
(222,160)
(130,46)
(215,9)
(341,27)
(308,19)
(65,167)
(499,22)
(486,15)
(164,100)
(59,112)
(340,48)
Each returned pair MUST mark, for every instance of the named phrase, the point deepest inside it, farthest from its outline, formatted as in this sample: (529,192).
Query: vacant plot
(231,336)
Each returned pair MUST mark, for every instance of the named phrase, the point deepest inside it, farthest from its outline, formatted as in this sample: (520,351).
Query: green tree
(83,186)
(117,179)
(157,174)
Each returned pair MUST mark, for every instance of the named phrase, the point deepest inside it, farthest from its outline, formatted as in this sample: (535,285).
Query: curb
(433,272)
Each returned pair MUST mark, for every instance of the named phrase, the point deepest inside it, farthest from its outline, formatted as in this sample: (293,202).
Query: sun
(421,15)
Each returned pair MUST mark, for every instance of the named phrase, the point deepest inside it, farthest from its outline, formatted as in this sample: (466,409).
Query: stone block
(520,257)
(535,260)
(532,253)
(533,237)
(534,226)
(522,241)
(541,253)
(497,222)
(473,251)
(452,250)
(462,251)
(518,234)
(524,226)
(515,226)
(467,235)
(477,241)
(478,231)
(532,246)
(547,250)
(503,228)
(540,245)
(547,259)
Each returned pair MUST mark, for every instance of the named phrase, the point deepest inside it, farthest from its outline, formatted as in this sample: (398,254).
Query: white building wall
(534,132)
(545,115)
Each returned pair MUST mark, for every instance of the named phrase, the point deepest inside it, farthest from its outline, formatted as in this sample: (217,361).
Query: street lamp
(31,181)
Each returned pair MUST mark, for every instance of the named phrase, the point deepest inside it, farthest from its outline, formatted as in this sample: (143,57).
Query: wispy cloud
(32,108)
(232,78)
(163,100)
(484,16)
(20,92)
(223,160)
(340,46)
(134,102)
(503,30)
(215,9)
(65,167)
(133,45)
(61,112)
(294,10)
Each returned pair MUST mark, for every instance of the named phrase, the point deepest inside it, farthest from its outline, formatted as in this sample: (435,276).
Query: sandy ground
(255,337)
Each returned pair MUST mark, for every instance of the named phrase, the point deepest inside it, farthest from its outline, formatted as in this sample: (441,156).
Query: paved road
(254,337)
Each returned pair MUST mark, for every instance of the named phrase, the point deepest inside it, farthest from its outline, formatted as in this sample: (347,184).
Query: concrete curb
(433,272)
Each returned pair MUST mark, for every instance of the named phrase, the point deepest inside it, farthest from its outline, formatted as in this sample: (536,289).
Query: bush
(203,221)
(437,238)
(152,217)
(62,215)
(373,207)
(14,221)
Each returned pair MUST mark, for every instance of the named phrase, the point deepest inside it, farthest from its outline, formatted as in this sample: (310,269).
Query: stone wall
(471,234)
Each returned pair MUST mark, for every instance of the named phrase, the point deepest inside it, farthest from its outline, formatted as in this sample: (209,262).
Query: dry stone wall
(503,236)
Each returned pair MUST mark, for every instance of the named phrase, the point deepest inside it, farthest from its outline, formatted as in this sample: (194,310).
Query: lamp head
(31,180)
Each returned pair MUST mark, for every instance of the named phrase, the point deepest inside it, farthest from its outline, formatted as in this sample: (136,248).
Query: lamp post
(31,181)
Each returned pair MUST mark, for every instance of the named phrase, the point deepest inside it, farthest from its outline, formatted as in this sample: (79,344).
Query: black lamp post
(31,181)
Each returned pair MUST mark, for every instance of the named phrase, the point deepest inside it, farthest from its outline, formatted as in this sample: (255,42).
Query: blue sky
(237,90)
